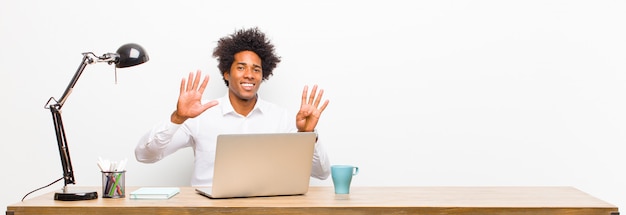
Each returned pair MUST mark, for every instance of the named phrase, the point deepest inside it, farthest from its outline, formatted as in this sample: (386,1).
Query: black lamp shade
(131,54)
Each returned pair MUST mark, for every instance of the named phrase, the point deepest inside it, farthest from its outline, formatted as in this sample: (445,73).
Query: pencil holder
(113,184)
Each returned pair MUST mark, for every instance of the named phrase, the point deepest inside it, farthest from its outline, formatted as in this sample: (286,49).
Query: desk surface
(362,200)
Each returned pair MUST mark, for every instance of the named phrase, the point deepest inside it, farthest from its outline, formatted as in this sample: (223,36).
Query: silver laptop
(269,164)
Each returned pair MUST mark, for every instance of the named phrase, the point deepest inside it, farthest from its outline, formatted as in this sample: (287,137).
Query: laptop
(268,164)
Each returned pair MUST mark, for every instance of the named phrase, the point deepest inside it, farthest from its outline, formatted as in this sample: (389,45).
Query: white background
(422,93)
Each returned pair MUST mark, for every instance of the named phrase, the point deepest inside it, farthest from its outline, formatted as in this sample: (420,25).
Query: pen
(115,180)
(108,182)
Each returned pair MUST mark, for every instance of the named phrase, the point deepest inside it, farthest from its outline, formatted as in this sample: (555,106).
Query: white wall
(426,93)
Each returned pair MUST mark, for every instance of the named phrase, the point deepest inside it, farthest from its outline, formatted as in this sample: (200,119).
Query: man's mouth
(247,86)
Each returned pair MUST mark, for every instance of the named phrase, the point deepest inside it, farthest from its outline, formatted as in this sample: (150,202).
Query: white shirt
(201,132)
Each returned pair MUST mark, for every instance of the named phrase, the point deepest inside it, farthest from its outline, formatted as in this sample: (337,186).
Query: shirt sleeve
(320,167)
(161,141)
(321,164)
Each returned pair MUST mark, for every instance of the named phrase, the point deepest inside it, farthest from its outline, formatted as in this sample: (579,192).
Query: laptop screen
(265,164)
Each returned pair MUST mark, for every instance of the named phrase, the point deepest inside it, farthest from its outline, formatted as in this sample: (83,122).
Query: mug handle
(355,170)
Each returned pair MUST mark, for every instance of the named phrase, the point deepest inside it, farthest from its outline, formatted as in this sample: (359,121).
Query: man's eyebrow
(244,64)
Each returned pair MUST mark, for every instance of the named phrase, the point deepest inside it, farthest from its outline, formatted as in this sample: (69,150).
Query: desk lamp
(126,56)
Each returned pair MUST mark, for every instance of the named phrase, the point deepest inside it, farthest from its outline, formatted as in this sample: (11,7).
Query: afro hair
(246,40)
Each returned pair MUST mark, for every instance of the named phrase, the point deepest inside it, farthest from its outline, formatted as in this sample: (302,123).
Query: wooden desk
(363,200)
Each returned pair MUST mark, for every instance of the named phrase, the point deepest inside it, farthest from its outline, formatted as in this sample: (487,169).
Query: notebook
(154,193)
(269,164)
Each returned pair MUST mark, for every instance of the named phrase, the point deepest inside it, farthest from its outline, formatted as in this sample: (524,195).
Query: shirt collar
(227,108)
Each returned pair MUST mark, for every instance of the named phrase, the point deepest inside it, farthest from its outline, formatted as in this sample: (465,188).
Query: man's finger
(324,106)
(312,95)
(304,92)
(204,83)
(189,82)
(182,86)
(196,81)
(318,99)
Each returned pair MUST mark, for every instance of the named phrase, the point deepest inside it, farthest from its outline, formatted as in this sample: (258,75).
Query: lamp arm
(55,109)
(86,60)
(64,152)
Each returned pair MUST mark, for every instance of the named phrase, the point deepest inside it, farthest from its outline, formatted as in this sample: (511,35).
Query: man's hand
(190,98)
(310,111)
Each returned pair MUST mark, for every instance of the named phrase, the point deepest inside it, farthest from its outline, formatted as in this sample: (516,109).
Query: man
(245,59)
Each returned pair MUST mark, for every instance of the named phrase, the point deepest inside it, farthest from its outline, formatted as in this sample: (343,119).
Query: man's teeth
(247,85)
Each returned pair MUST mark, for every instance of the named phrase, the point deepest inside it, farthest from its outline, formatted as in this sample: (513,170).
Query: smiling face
(244,77)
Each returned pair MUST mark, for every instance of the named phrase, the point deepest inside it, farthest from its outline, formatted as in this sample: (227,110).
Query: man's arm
(321,164)
(161,141)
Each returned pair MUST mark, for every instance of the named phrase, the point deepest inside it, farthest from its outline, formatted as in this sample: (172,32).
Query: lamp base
(75,196)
